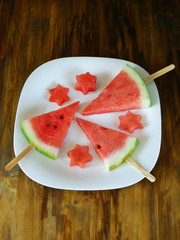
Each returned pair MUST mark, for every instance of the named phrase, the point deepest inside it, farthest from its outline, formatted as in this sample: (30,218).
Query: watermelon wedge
(47,131)
(112,146)
(126,91)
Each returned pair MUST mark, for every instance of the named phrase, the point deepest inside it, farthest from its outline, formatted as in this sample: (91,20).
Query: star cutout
(58,94)
(130,122)
(86,82)
(79,156)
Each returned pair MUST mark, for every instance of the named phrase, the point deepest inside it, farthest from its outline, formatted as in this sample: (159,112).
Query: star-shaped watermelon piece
(59,94)
(86,82)
(130,122)
(79,156)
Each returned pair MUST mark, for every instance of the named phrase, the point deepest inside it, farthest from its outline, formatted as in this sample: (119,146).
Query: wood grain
(144,32)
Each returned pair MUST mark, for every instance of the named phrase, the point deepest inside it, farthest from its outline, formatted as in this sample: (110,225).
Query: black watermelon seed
(61,117)
(98,146)
(48,125)
(55,126)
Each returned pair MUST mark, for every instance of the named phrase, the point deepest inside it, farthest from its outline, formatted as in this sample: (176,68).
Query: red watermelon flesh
(47,131)
(59,94)
(79,156)
(85,82)
(130,122)
(112,146)
(126,91)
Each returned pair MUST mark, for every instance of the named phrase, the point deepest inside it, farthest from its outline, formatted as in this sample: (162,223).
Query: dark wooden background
(145,32)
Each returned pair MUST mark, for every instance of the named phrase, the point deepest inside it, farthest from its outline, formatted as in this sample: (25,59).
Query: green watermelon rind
(129,69)
(131,150)
(36,146)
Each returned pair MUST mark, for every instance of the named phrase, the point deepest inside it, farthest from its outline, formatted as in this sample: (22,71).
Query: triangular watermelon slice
(112,146)
(47,131)
(126,91)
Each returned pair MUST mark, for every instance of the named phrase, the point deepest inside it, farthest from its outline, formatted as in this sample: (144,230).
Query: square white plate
(57,173)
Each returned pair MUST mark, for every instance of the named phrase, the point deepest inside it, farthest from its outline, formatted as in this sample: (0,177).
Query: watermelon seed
(61,117)
(98,146)
(48,125)
(55,126)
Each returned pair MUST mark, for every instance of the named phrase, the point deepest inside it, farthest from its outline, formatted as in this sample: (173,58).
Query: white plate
(57,174)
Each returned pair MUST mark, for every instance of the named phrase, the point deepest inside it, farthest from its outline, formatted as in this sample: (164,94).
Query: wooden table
(144,32)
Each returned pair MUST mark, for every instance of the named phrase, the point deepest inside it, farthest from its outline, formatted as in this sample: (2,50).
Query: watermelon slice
(79,156)
(130,122)
(112,146)
(47,131)
(85,83)
(126,91)
(59,94)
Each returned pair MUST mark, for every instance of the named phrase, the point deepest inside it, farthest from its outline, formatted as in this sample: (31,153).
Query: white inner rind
(145,97)
(114,160)
(37,141)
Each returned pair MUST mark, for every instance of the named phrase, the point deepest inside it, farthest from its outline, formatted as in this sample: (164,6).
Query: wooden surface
(145,32)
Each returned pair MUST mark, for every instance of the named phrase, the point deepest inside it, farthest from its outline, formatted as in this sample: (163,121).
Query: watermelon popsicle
(126,91)
(46,132)
(112,146)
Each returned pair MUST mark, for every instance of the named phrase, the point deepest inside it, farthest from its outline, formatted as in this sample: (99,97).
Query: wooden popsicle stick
(15,160)
(143,171)
(159,73)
